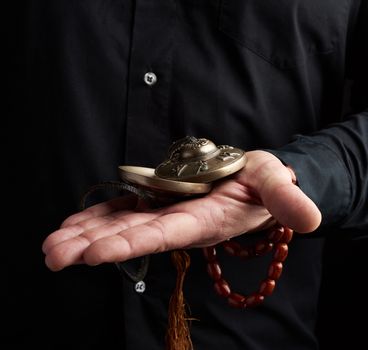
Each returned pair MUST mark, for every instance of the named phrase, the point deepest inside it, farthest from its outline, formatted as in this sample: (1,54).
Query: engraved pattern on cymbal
(200,160)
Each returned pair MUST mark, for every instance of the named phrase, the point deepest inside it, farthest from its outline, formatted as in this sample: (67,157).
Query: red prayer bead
(254,300)
(281,252)
(210,253)
(287,236)
(232,248)
(275,270)
(214,270)
(263,247)
(236,300)
(222,288)
(277,238)
(267,287)
(275,234)
(246,253)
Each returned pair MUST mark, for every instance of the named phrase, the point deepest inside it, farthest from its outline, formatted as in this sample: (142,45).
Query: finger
(194,223)
(167,232)
(71,231)
(101,209)
(65,254)
(70,251)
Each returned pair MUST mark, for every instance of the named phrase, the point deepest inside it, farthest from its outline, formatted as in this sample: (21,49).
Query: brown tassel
(178,333)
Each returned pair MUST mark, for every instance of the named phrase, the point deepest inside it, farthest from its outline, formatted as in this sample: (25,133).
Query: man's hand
(118,230)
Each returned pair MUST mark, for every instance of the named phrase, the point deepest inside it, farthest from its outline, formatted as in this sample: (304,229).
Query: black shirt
(254,74)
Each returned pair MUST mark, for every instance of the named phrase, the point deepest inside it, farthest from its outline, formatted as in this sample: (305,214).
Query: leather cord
(127,269)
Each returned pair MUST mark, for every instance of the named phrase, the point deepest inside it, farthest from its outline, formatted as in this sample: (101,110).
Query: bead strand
(277,239)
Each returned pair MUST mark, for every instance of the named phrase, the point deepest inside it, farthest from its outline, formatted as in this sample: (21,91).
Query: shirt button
(140,287)
(150,78)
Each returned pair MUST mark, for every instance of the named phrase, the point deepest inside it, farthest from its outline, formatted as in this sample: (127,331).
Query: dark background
(344,298)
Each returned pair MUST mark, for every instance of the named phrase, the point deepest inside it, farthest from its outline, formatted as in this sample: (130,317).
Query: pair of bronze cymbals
(193,164)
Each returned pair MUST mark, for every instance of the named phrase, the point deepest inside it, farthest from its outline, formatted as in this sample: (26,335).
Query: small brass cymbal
(192,165)
(146,177)
(200,160)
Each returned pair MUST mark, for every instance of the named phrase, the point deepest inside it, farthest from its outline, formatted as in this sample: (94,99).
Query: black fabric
(249,73)
(332,162)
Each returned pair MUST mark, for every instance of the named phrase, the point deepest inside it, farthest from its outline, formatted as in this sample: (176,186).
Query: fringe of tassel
(178,332)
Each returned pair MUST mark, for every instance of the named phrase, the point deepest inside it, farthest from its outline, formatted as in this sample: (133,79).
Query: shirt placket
(147,139)
(151,57)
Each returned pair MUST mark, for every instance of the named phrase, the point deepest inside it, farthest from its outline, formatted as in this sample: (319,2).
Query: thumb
(286,202)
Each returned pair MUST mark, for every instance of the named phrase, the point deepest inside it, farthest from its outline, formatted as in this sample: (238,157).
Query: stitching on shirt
(275,62)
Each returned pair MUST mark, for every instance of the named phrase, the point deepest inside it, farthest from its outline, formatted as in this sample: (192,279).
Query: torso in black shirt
(248,73)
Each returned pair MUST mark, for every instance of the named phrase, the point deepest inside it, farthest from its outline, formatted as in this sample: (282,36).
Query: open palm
(121,229)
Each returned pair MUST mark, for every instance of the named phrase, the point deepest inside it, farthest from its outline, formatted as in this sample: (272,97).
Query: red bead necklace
(276,240)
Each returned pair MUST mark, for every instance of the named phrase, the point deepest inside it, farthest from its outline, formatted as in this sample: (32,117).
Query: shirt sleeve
(331,165)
